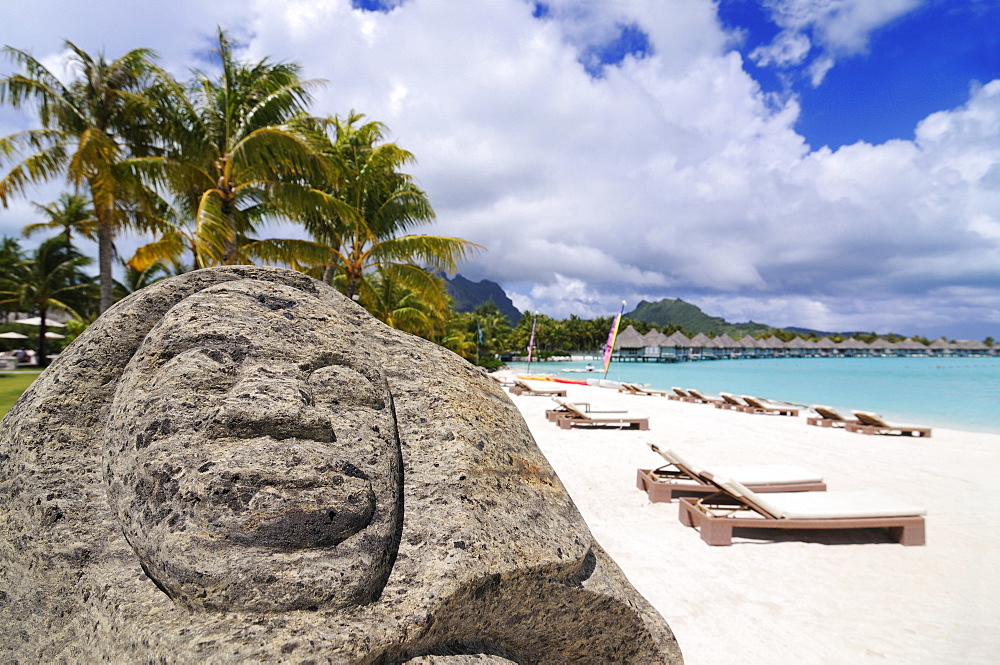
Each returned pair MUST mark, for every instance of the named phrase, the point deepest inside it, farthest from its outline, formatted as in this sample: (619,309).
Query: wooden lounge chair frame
(827,417)
(676,478)
(871,423)
(506,383)
(682,395)
(522,388)
(636,389)
(732,403)
(702,399)
(579,418)
(563,410)
(756,405)
(736,507)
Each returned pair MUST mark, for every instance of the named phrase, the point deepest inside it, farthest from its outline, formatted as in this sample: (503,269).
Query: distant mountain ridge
(674,311)
(468,295)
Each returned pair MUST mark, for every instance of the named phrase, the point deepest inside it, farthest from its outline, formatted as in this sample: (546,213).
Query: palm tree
(233,159)
(51,279)
(70,214)
(389,298)
(459,340)
(134,280)
(89,127)
(10,256)
(382,203)
(491,325)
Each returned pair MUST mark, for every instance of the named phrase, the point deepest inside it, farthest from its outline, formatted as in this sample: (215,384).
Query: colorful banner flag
(610,347)
(531,342)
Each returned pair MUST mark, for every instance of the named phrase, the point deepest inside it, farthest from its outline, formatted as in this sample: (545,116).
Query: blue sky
(910,67)
(832,164)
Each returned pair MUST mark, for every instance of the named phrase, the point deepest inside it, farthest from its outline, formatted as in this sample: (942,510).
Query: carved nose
(269,403)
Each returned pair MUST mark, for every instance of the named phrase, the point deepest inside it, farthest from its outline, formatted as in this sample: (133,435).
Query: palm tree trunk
(105,248)
(352,284)
(40,350)
(228,211)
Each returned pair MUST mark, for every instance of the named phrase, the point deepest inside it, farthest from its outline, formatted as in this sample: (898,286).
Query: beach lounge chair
(872,423)
(757,405)
(522,388)
(736,506)
(506,383)
(702,399)
(681,395)
(564,410)
(827,416)
(680,477)
(732,402)
(580,418)
(636,389)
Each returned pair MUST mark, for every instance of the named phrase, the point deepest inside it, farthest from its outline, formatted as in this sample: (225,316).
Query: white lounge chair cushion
(826,505)
(827,412)
(674,458)
(874,417)
(766,474)
(570,407)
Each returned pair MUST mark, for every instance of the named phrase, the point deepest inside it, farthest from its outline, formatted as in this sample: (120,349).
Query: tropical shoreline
(823,597)
(957,393)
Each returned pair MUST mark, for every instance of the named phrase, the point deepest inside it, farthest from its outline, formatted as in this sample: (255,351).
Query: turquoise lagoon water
(959,393)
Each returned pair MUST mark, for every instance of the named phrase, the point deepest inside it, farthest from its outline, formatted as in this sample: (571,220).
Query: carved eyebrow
(371,374)
(235,346)
(325,360)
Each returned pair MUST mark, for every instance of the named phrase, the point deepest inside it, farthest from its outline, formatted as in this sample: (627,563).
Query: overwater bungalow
(910,348)
(970,347)
(881,347)
(677,345)
(852,348)
(940,347)
(702,347)
(826,347)
(655,341)
(797,348)
(727,346)
(629,345)
(654,346)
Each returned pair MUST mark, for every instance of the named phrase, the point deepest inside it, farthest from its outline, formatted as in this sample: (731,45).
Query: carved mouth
(245,426)
(289,494)
(303,518)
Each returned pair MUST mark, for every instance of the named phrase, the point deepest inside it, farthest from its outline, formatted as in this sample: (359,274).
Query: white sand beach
(777,597)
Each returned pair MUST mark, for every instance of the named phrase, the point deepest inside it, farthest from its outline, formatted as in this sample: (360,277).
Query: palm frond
(438,252)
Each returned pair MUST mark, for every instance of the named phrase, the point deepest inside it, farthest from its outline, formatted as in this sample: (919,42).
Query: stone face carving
(239,464)
(242,431)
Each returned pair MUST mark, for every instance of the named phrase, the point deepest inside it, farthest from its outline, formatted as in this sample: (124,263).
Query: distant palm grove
(200,167)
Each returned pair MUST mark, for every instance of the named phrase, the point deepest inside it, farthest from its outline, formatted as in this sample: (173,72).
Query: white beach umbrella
(37,321)
(51,335)
(12,335)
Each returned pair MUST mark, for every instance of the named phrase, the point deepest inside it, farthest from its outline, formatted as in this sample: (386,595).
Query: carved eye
(337,385)
(202,368)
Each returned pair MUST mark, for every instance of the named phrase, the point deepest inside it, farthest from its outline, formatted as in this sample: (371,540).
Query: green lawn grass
(12,384)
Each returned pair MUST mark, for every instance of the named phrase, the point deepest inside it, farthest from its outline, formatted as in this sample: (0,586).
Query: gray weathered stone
(240,465)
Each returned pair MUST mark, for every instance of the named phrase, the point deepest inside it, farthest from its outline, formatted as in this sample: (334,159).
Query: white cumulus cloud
(671,175)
